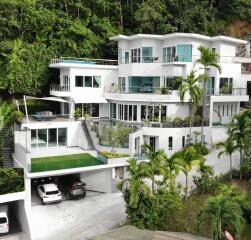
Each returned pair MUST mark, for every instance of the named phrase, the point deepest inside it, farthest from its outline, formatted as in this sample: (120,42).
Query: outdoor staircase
(90,145)
(7,147)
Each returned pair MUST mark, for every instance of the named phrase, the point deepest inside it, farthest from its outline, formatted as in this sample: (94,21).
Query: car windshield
(3,220)
(52,192)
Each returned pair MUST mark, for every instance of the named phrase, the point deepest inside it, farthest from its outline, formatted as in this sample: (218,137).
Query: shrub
(201,149)
(114,155)
(153,210)
(198,120)
(206,182)
(77,113)
(177,121)
(245,169)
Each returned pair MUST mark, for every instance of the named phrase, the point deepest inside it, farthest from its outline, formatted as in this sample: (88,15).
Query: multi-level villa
(138,90)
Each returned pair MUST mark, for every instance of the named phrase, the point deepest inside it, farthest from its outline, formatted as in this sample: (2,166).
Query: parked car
(76,189)
(4,219)
(49,193)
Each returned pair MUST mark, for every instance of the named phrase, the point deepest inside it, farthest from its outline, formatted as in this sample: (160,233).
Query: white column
(72,109)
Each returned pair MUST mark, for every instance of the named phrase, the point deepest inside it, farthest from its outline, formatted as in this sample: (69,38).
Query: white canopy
(88,99)
(55,99)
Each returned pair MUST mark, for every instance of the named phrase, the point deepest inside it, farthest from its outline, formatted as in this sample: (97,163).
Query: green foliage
(11,180)
(200,149)
(114,155)
(77,113)
(177,121)
(223,212)
(1,153)
(7,110)
(206,181)
(152,211)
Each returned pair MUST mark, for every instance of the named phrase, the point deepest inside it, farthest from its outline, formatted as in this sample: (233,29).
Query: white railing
(61,88)
(72,60)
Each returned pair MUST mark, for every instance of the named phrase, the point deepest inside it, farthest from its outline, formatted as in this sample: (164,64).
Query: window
(122,84)
(223,110)
(169,54)
(235,109)
(88,81)
(231,110)
(227,111)
(219,109)
(184,53)
(226,85)
(143,113)
(213,49)
(66,80)
(171,83)
(125,112)
(52,137)
(113,110)
(135,55)
(120,56)
(163,113)
(170,143)
(62,137)
(96,81)
(147,54)
(183,141)
(126,57)
(79,81)
(42,138)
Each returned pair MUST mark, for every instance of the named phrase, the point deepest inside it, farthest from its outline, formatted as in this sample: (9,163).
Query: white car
(49,193)
(4,219)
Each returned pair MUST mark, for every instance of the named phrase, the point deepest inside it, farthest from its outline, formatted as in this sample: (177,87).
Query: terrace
(43,164)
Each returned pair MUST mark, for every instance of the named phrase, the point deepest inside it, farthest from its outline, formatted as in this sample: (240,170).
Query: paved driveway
(78,219)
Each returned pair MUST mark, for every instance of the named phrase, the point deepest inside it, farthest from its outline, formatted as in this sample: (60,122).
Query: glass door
(153,143)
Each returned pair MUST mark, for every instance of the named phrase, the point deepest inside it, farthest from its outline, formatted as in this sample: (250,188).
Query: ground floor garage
(78,219)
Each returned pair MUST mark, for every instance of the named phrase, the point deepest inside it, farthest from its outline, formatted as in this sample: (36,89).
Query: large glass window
(88,81)
(113,112)
(42,138)
(143,84)
(171,83)
(135,55)
(79,81)
(33,138)
(153,113)
(62,137)
(226,85)
(120,56)
(126,57)
(184,53)
(52,137)
(147,54)
(169,54)
(122,84)
(96,81)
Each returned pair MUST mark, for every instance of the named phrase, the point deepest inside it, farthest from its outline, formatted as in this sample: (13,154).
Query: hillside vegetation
(34,31)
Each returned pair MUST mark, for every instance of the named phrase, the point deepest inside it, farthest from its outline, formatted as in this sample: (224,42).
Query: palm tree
(190,86)
(223,212)
(170,171)
(135,183)
(186,160)
(207,59)
(154,166)
(239,129)
(229,147)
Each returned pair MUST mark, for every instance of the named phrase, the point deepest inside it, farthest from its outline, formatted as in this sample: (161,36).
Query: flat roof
(179,35)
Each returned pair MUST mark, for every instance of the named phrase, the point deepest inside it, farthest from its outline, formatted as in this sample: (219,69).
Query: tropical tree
(239,130)
(186,160)
(207,59)
(223,212)
(155,165)
(135,183)
(229,147)
(190,85)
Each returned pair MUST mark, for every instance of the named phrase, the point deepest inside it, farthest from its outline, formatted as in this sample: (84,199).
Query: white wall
(100,180)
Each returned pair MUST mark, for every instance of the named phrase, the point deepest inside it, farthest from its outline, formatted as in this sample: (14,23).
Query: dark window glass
(79,81)
(126,112)
(183,141)
(170,143)
(96,81)
(33,138)
(88,81)
(52,137)
(95,110)
(62,137)
(143,112)
(42,138)
(135,113)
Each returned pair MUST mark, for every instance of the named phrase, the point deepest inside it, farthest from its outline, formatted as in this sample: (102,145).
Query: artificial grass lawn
(184,220)
(63,162)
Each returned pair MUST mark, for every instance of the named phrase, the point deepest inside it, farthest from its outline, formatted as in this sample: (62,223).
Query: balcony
(229,91)
(59,87)
(83,61)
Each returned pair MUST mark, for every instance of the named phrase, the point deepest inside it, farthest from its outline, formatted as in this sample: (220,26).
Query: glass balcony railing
(59,87)
(227,91)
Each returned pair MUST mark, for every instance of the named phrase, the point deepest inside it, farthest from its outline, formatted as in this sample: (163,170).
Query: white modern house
(138,91)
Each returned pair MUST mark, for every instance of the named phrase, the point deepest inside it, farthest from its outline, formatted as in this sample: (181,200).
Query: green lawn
(63,162)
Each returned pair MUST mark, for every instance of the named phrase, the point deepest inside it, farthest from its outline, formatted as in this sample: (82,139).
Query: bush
(153,210)
(246,169)
(114,155)
(11,180)
(201,149)
(177,121)
(206,182)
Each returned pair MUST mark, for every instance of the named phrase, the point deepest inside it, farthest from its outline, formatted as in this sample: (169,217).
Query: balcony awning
(55,99)
(88,99)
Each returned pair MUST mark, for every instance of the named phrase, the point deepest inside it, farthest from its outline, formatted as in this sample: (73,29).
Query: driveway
(78,219)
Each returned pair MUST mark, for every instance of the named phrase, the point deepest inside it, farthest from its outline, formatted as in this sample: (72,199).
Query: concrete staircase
(90,145)
(7,147)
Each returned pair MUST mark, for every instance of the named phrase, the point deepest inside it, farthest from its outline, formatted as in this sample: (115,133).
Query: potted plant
(77,113)
(164,90)
(187,121)
(198,120)
(177,121)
